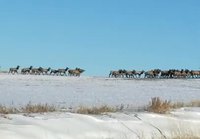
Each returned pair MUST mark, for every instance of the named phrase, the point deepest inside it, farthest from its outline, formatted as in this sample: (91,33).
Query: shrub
(159,106)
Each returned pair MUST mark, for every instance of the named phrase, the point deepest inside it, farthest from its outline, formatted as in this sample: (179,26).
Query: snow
(17,90)
(108,126)
(89,91)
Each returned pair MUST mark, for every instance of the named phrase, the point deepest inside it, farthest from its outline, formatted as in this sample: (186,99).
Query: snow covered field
(89,91)
(110,126)
(17,90)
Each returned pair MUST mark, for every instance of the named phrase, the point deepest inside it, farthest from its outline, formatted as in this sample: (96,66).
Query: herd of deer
(47,71)
(156,73)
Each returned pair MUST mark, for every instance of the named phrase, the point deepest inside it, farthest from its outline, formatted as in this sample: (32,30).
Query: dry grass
(95,110)
(29,108)
(182,134)
(156,105)
(176,137)
(186,137)
(159,106)
(177,134)
(194,103)
(8,110)
(38,108)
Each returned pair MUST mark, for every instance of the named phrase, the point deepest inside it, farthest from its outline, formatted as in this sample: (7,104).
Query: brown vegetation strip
(156,105)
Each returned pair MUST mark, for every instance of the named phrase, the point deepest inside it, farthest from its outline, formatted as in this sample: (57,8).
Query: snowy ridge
(112,126)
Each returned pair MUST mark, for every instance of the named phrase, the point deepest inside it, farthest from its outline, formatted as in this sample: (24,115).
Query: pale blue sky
(100,35)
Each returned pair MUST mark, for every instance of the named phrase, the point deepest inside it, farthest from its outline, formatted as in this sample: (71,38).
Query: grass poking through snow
(29,108)
(95,110)
(8,110)
(38,108)
(159,106)
(156,105)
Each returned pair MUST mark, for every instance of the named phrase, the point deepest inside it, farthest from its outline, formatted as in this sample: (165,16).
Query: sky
(100,35)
